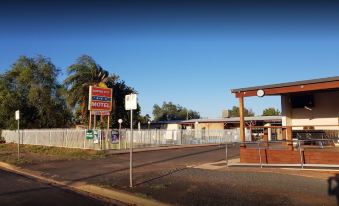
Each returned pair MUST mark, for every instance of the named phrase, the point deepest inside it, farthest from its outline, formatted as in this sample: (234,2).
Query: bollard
(301,157)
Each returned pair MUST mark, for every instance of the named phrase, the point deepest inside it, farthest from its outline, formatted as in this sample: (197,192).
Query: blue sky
(188,52)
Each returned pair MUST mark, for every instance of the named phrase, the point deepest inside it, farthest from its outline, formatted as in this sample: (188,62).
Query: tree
(234,112)
(120,90)
(31,86)
(169,111)
(83,74)
(271,112)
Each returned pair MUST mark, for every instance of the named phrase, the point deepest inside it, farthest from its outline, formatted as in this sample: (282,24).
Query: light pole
(17,117)
(149,134)
(120,136)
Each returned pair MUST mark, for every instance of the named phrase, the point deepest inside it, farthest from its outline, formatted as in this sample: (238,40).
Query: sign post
(100,103)
(131,104)
(17,117)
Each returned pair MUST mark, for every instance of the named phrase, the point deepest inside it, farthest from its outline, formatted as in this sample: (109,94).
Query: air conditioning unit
(225,113)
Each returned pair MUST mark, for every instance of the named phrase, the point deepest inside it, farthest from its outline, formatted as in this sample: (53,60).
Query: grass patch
(159,186)
(36,154)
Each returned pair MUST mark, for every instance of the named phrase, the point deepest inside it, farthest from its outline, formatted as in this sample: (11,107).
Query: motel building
(310,123)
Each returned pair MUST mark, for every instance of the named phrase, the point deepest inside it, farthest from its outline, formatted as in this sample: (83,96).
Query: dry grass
(31,154)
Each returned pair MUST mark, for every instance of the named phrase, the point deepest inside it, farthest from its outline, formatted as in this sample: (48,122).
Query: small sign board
(131,102)
(17,115)
(97,135)
(115,138)
(89,134)
(103,113)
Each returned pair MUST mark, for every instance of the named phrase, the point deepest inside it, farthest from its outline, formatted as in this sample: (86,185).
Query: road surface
(19,190)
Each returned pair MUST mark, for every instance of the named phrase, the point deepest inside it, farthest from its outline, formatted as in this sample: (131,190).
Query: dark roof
(234,119)
(312,81)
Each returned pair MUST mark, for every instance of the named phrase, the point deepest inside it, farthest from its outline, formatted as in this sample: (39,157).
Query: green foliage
(234,112)
(84,73)
(271,112)
(169,111)
(120,90)
(31,87)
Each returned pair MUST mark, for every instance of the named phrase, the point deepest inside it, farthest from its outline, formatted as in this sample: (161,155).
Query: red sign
(104,113)
(100,99)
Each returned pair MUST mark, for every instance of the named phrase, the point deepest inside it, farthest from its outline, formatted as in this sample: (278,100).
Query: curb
(112,194)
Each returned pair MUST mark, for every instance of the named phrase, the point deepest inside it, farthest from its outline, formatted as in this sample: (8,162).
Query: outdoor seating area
(310,124)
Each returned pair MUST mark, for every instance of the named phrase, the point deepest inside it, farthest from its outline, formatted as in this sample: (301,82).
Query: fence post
(50,137)
(36,138)
(259,154)
(226,155)
(84,140)
(66,137)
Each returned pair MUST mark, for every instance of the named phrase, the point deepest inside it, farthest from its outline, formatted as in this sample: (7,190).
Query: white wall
(324,112)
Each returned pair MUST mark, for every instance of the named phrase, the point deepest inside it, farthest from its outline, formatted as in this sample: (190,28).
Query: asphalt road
(19,190)
(147,165)
(164,175)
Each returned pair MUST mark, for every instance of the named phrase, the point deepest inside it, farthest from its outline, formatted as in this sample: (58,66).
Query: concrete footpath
(121,196)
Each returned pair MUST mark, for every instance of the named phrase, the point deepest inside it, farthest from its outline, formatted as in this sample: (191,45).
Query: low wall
(269,156)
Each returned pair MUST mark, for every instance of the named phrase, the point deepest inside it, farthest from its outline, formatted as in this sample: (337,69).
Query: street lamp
(149,134)
(120,121)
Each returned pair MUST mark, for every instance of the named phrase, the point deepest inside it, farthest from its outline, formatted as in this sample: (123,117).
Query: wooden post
(289,137)
(242,120)
(90,120)
(95,120)
(107,133)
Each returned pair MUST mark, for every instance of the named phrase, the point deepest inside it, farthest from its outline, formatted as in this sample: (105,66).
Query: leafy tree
(169,111)
(83,74)
(234,112)
(120,90)
(144,119)
(86,72)
(271,112)
(31,86)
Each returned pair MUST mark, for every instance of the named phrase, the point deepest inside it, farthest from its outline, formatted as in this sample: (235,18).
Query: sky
(189,52)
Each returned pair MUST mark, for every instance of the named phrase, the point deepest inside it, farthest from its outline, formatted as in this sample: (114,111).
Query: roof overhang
(290,87)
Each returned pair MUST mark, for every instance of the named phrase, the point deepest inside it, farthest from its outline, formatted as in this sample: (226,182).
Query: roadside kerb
(112,194)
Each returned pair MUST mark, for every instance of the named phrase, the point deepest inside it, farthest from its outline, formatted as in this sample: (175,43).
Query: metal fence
(75,138)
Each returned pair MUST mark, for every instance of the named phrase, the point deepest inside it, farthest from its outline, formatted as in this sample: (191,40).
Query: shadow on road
(333,190)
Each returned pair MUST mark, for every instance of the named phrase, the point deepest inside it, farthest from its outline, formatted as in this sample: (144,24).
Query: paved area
(19,190)
(178,177)
(147,165)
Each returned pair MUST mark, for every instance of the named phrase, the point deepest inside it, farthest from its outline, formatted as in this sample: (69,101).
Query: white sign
(131,102)
(17,115)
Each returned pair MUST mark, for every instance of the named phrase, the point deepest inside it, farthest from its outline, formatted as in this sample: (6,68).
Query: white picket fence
(76,138)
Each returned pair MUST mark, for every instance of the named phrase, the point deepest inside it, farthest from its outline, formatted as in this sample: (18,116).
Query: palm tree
(83,74)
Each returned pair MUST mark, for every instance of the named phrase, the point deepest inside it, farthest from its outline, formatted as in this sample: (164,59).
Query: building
(230,123)
(310,110)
